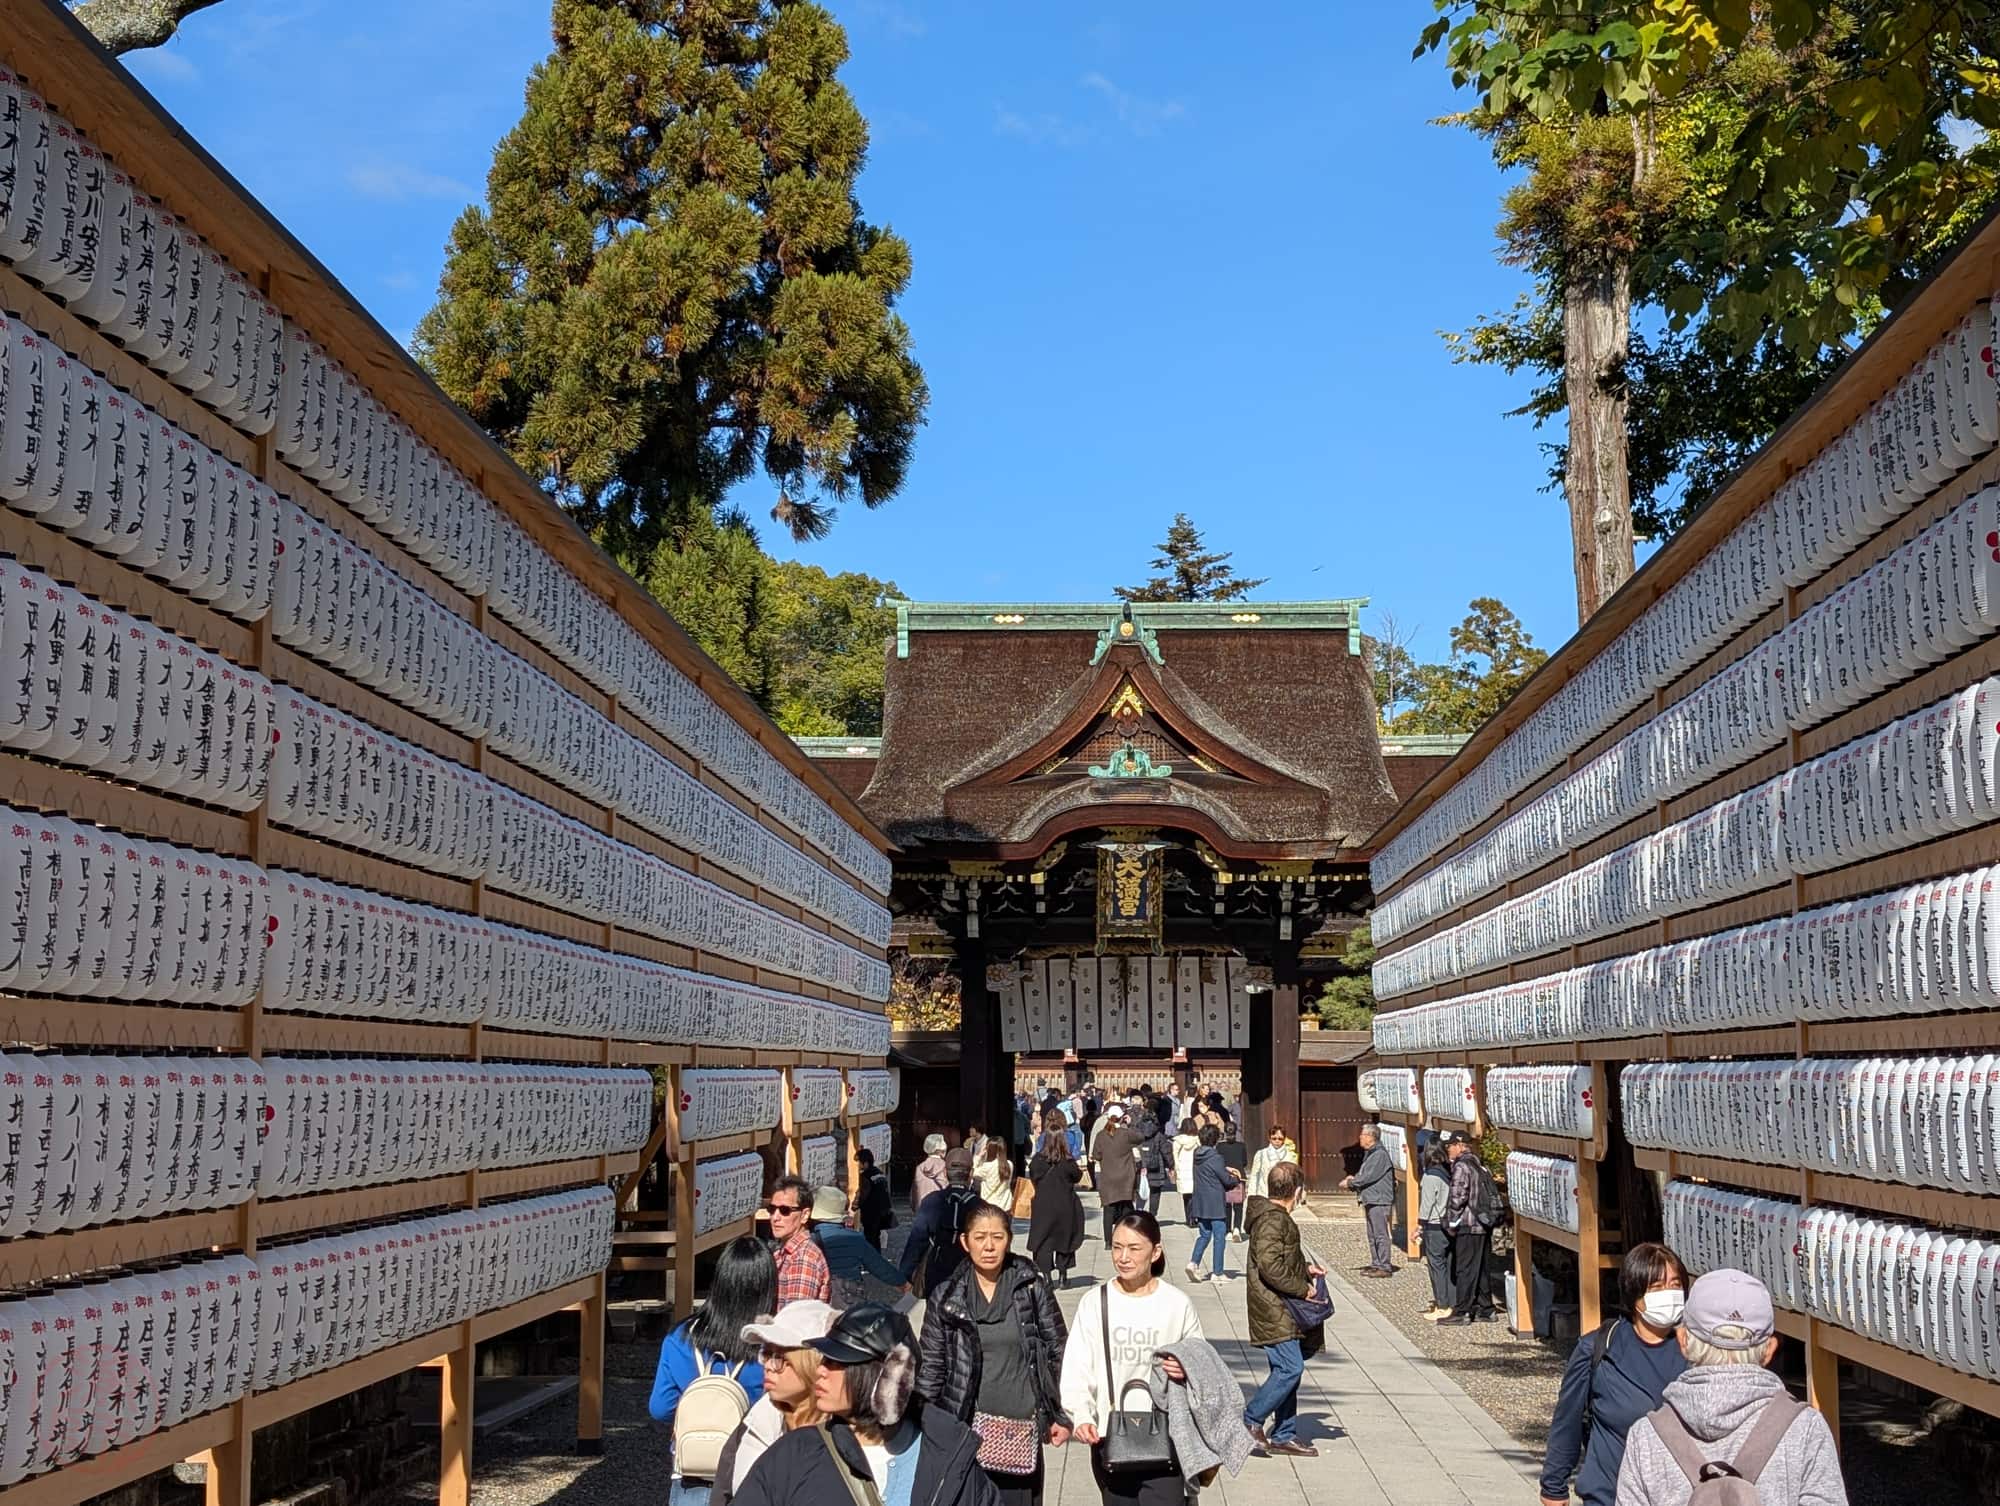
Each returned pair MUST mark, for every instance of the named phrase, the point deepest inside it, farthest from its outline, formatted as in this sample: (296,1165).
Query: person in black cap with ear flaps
(877,1444)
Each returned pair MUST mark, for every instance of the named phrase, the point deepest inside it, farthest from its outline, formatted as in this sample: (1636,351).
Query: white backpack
(712,1407)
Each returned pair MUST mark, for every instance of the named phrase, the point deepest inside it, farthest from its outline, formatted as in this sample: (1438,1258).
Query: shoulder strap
(862,1490)
(1600,1345)
(1679,1442)
(1776,1420)
(1106,1336)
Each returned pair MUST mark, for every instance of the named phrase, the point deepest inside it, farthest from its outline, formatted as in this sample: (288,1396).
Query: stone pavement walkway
(1392,1428)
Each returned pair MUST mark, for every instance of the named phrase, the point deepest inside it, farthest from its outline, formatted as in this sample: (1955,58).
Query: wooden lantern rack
(46,44)
(1964,282)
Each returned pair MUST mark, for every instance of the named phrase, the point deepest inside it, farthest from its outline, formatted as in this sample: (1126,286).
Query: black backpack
(1488,1207)
(963,1200)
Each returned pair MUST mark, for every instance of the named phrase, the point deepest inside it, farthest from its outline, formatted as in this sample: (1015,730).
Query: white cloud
(162,66)
(1041,129)
(1141,116)
(402,180)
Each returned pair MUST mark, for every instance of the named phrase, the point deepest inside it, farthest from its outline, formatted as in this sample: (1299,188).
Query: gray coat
(1376,1180)
(1205,1416)
(1719,1404)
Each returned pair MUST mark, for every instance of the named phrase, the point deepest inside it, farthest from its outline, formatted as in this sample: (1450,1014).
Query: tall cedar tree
(1188,572)
(672,283)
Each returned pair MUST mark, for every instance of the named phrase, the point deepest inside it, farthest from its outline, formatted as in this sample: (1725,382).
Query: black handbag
(1134,1442)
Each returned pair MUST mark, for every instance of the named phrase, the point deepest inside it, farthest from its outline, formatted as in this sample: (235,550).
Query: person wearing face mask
(1615,1376)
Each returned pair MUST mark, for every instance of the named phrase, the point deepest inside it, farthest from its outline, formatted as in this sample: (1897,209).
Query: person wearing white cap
(1728,1417)
(791,1365)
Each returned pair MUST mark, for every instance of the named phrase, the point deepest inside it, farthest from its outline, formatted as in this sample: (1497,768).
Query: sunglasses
(784,1208)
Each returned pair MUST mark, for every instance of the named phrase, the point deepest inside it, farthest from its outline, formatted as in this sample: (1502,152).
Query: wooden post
(226,1478)
(1823,1379)
(590,1372)
(455,1422)
(1413,1192)
(1589,1268)
(680,1275)
(788,1124)
(1524,1281)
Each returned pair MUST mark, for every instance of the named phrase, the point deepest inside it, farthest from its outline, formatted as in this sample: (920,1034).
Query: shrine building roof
(1005,725)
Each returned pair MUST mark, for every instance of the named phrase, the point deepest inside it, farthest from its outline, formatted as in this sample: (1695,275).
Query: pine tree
(1188,572)
(671,282)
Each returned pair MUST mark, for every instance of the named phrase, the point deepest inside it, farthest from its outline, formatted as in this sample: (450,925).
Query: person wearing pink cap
(1727,1415)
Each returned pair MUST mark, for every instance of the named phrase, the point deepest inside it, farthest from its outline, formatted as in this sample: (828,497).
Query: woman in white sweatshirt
(1145,1313)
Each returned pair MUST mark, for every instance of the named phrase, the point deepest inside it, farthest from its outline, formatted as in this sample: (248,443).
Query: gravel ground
(1887,1455)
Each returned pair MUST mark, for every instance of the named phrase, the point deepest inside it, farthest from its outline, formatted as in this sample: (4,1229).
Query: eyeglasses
(777,1208)
(774,1359)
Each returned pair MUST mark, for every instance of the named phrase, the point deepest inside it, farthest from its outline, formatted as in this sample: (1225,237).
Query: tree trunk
(1597,334)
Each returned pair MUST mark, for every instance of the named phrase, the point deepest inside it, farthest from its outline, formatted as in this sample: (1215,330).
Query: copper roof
(1272,697)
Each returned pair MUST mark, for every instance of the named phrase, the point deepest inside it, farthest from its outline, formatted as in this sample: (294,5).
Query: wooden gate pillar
(985,1069)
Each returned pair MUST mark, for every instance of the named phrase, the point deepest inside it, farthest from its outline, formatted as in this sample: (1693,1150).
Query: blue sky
(1167,258)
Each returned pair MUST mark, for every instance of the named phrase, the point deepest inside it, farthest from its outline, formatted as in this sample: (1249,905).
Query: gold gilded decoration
(1126,702)
(1130,892)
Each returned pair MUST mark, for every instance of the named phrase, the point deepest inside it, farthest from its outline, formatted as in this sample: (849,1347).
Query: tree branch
(128,25)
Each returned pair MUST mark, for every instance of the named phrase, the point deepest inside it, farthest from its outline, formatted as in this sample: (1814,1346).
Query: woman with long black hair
(991,1356)
(711,1342)
(1118,1328)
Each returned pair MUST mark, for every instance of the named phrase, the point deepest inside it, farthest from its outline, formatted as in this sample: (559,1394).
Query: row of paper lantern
(1396,1141)
(817,1093)
(168,298)
(1925,1121)
(1546,1100)
(726,1189)
(1920,949)
(105,1360)
(1939,418)
(1543,1188)
(107,691)
(105,1139)
(1921,777)
(873,1090)
(1392,1090)
(819,1160)
(190,927)
(75,224)
(94,461)
(1917,606)
(875,1139)
(718,1101)
(1451,1093)
(1923,1290)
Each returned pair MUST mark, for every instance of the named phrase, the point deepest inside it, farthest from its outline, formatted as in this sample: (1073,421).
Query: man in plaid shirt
(802,1271)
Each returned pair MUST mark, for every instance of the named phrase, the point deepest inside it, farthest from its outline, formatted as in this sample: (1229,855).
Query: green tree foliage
(1491,656)
(672,284)
(1771,180)
(1347,1001)
(1188,572)
(808,646)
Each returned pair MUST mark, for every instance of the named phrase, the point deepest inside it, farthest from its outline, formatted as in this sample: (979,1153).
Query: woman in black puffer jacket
(991,1355)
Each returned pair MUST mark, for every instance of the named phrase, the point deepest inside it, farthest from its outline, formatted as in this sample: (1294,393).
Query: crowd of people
(796,1381)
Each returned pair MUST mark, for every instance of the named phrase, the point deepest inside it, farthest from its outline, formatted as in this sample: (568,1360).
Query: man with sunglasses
(803,1274)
